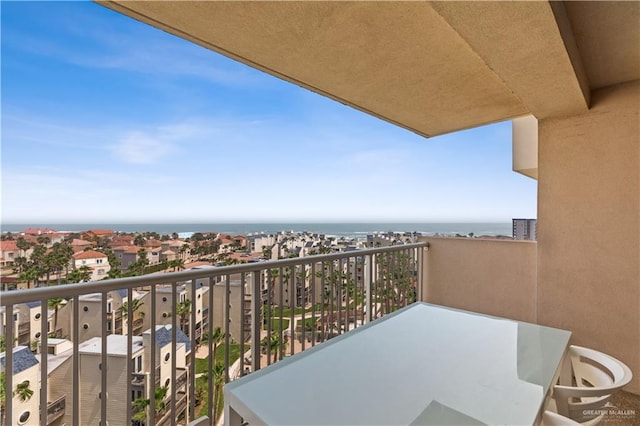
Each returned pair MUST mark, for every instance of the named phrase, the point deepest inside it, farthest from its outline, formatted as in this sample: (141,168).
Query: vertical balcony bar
(192,364)
(270,282)
(293,302)
(340,280)
(174,340)
(280,348)
(322,297)
(210,357)
(420,273)
(227,321)
(256,318)
(355,292)
(76,360)
(130,326)
(129,356)
(367,290)
(303,328)
(103,361)
(388,283)
(346,285)
(44,333)
(152,353)
(313,304)
(8,339)
(243,318)
(332,285)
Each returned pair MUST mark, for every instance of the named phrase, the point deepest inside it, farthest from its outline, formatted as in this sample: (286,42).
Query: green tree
(182,310)
(23,391)
(136,304)
(23,245)
(55,304)
(81,274)
(218,383)
(141,405)
(273,345)
(216,339)
(139,240)
(3,397)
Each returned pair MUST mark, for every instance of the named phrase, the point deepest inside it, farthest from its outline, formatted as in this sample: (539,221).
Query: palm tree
(23,391)
(136,304)
(273,344)
(218,383)
(182,310)
(3,398)
(55,304)
(216,339)
(141,405)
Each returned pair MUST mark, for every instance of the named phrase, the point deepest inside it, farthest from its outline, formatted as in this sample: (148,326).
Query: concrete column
(589,224)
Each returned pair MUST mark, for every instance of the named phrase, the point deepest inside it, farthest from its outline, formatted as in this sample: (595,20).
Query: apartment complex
(524,229)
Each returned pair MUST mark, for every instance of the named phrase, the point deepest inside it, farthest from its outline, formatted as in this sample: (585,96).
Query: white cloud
(140,148)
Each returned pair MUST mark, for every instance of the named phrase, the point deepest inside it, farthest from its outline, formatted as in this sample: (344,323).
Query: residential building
(8,252)
(126,255)
(79,245)
(96,261)
(26,380)
(524,229)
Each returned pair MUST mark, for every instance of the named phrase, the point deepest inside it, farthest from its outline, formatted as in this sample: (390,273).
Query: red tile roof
(89,254)
(38,231)
(8,245)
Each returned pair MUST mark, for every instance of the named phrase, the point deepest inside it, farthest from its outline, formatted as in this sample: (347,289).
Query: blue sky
(105,119)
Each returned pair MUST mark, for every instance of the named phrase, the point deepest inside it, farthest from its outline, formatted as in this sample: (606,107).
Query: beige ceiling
(431,67)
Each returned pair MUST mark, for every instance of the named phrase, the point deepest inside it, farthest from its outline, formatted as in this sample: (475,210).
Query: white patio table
(422,365)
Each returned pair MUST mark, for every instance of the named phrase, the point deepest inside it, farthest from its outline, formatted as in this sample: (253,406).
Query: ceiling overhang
(431,67)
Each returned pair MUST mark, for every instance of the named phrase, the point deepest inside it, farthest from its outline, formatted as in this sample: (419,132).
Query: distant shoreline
(339,229)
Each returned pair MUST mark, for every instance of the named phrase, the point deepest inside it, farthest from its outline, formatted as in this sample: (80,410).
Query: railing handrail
(14,297)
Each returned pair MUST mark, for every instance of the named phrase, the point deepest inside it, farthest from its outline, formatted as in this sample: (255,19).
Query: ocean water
(347,230)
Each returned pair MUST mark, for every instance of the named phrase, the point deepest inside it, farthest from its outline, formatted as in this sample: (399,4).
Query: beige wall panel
(495,277)
(589,225)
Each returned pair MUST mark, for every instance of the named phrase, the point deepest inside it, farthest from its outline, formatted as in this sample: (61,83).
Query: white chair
(595,378)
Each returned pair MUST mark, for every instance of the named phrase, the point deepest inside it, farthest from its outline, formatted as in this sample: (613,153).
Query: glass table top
(424,364)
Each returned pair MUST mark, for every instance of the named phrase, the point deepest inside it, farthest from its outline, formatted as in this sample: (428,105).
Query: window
(86,309)
(183,297)
(38,335)
(86,326)
(100,271)
(166,382)
(98,260)
(164,299)
(108,303)
(139,364)
(167,356)
(84,262)
(108,325)
(37,316)
(24,417)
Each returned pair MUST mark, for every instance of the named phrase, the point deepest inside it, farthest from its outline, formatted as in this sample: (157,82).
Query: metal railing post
(256,319)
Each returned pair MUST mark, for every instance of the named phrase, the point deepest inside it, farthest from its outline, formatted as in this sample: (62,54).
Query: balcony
(138,380)
(56,409)
(24,328)
(487,276)
(261,330)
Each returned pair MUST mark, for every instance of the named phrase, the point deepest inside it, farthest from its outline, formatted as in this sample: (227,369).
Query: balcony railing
(24,328)
(55,410)
(337,293)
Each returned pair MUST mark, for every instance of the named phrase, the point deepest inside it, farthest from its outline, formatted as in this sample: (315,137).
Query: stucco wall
(589,225)
(495,277)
